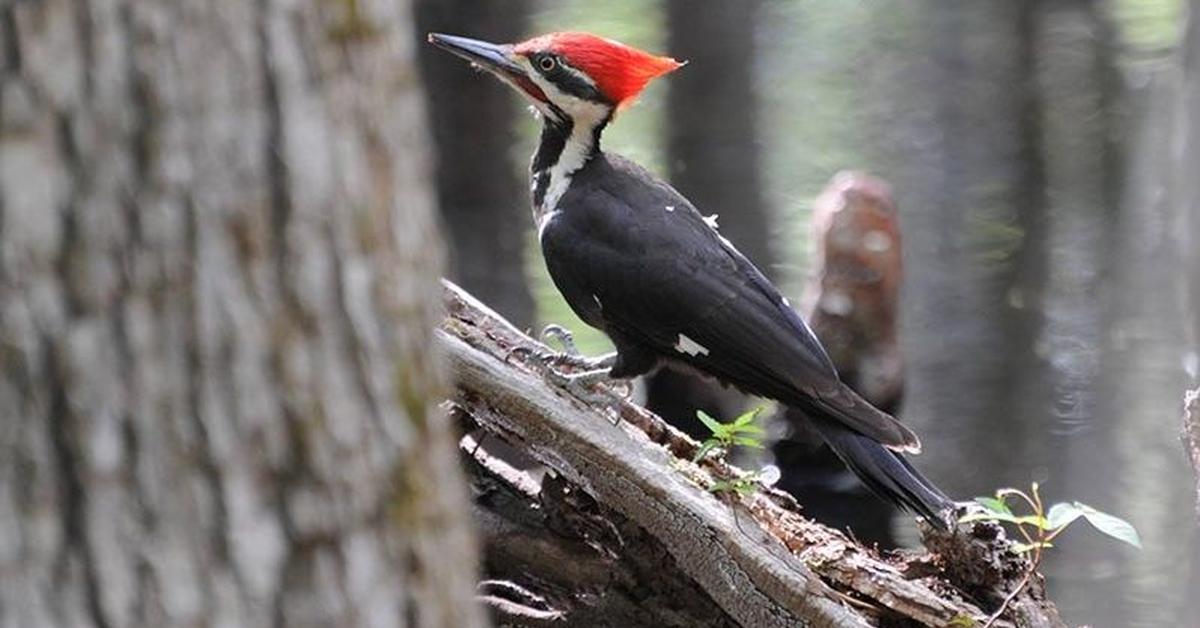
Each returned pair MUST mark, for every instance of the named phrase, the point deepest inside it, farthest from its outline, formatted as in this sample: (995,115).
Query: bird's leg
(596,370)
(570,352)
(591,370)
(570,355)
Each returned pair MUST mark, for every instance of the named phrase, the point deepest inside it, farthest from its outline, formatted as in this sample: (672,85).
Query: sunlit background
(1045,325)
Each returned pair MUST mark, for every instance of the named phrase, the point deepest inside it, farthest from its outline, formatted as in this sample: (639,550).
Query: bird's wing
(665,278)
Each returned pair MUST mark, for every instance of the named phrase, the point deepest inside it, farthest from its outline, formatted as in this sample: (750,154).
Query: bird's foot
(584,372)
(563,336)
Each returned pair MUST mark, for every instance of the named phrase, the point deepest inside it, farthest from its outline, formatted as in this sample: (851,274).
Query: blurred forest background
(1049,320)
(222,223)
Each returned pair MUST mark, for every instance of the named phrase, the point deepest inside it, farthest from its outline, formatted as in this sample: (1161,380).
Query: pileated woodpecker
(635,259)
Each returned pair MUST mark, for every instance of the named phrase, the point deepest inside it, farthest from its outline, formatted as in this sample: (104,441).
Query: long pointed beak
(495,58)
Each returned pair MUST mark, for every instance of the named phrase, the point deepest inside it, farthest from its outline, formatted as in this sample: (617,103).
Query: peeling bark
(754,558)
(217,262)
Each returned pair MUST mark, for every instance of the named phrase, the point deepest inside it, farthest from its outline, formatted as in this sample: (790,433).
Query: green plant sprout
(1041,527)
(743,486)
(741,432)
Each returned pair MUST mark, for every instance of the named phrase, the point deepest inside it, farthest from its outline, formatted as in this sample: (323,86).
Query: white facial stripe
(574,155)
(586,116)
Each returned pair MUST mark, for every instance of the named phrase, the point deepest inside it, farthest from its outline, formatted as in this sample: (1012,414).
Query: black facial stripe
(550,148)
(566,79)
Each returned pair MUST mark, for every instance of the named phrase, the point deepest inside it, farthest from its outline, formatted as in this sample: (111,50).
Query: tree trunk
(484,205)
(967,163)
(217,263)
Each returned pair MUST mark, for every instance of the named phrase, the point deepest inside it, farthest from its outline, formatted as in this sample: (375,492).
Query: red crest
(620,71)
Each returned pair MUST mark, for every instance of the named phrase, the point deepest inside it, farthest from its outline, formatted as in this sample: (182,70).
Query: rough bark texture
(484,205)
(646,524)
(217,262)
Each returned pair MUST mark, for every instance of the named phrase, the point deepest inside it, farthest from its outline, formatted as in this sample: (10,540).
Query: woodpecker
(636,260)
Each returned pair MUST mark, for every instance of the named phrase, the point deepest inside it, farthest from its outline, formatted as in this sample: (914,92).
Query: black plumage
(635,259)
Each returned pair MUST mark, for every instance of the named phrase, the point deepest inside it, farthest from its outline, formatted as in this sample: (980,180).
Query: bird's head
(565,75)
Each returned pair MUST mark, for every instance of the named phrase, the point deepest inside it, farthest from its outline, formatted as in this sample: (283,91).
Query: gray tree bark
(217,263)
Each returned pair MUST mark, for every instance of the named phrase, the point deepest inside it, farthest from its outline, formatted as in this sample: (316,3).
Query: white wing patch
(689,346)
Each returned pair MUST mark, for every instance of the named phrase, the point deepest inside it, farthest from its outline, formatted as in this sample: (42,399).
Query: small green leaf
(1062,514)
(993,504)
(746,441)
(1115,527)
(748,429)
(712,424)
(748,417)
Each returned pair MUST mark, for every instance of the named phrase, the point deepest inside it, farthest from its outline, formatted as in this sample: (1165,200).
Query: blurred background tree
(1040,156)
(218,273)
(482,196)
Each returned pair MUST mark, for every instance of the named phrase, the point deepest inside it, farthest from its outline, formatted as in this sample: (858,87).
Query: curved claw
(538,359)
(563,336)
(579,384)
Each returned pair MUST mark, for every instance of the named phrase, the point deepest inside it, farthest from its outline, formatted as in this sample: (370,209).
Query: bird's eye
(547,63)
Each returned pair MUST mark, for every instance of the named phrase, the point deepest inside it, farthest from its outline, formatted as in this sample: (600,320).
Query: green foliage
(743,486)
(741,432)
(1040,527)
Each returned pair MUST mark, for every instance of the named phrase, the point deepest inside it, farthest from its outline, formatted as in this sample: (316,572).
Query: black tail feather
(885,472)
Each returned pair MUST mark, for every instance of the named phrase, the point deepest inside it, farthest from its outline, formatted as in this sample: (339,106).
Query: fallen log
(620,528)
